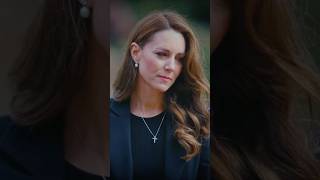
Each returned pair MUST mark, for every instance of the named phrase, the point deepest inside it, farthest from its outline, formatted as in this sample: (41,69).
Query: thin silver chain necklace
(154,136)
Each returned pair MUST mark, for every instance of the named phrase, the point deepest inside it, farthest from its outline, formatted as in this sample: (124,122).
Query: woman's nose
(170,64)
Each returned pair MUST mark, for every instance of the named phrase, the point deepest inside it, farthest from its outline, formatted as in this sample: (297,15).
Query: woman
(58,126)
(258,70)
(159,119)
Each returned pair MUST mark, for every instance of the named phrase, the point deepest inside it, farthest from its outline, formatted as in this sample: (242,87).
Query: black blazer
(27,155)
(175,168)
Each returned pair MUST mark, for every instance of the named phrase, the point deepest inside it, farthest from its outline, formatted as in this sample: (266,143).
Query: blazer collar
(41,156)
(121,151)
(120,140)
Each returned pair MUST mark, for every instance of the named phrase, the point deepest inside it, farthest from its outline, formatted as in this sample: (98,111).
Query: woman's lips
(165,78)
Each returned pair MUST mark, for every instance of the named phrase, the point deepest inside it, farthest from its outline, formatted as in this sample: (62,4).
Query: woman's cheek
(152,64)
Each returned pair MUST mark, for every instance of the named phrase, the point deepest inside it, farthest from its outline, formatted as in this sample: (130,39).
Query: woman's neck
(146,101)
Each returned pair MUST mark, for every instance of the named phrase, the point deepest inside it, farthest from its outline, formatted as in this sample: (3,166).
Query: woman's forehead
(169,40)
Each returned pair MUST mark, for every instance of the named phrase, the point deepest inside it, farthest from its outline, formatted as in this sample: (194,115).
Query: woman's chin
(162,88)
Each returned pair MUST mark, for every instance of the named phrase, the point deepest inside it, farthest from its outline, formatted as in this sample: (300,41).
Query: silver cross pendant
(154,139)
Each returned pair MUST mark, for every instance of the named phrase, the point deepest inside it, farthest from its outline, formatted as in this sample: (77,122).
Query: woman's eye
(160,54)
(179,58)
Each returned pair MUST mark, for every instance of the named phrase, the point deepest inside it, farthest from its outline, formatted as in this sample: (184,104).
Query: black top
(73,172)
(174,167)
(148,157)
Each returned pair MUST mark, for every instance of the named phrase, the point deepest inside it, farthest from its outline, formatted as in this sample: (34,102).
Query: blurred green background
(308,13)
(125,13)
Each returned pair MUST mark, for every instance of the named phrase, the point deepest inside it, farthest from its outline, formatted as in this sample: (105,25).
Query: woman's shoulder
(112,104)
(8,165)
(118,107)
(11,132)
(9,128)
(316,143)
(113,101)
(4,119)
(23,151)
(5,123)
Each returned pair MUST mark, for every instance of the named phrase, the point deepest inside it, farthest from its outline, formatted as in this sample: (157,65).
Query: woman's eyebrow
(168,51)
(163,49)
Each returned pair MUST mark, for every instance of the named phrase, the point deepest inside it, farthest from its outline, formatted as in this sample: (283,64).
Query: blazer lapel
(173,152)
(120,141)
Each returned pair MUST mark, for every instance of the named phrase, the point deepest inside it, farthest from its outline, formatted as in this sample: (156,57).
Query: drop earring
(136,65)
(84,10)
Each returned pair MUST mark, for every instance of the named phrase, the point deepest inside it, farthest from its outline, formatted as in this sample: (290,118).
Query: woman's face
(160,59)
(221,19)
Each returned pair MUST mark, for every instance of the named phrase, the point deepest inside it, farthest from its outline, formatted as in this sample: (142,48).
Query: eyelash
(161,54)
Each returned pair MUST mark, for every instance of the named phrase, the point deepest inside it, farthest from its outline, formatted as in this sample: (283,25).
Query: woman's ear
(135,52)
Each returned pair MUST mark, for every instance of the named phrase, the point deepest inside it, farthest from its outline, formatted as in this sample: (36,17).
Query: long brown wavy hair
(258,69)
(52,65)
(187,98)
